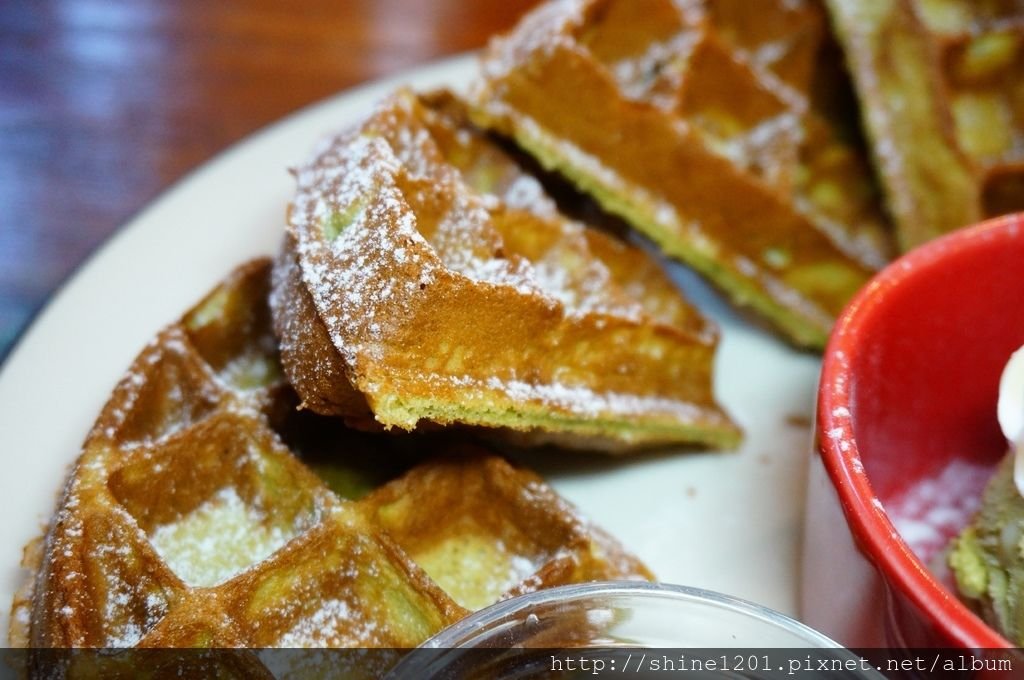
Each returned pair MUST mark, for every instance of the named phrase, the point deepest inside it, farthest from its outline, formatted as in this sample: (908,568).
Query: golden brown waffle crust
(931,185)
(941,88)
(432,309)
(187,467)
(546,87)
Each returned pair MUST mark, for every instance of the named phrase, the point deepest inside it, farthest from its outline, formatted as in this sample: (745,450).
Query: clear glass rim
(460,633)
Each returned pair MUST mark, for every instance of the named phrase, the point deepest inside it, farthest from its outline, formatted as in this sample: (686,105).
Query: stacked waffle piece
(941,84)
(237,490)
(702,124)
(426,278)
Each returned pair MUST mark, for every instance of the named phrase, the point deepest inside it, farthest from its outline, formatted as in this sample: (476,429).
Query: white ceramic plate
(722,521)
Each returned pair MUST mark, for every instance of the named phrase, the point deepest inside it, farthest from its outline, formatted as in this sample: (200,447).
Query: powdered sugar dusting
(585,401)
(526,193)
(936,508)
(380,217)
(656,75)
(217,540)
(189,394)
(333,624)
(544,29)
(352,277)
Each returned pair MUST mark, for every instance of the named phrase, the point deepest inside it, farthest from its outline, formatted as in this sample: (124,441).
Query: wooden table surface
(105,103)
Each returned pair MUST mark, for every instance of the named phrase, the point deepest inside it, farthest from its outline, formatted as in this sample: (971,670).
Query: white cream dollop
(1010,412)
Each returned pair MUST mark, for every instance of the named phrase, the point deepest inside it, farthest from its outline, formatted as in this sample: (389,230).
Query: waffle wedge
(189,520)
(426,278)
(699,124)
(941,83)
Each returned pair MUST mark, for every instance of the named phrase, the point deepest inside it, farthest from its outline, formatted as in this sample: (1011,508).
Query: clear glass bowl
(612,617)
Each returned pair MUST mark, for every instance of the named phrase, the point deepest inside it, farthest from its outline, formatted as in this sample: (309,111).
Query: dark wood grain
(104,103)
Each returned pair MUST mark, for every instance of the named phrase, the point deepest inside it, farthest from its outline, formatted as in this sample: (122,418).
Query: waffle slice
(505,531)
(188,521)
(942,89)
(694,121)
(424,277)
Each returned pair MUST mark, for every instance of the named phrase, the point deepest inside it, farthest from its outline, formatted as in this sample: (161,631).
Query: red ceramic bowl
(907,436)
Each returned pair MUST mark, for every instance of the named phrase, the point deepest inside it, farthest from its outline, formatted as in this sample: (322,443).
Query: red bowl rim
(875,534)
